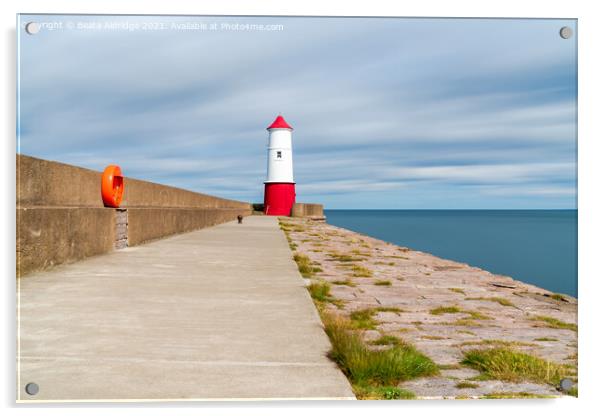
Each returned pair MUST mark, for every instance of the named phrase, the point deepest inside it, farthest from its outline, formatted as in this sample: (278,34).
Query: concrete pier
(220,313)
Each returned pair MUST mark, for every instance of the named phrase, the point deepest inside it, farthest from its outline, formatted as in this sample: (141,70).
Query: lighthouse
(279,191)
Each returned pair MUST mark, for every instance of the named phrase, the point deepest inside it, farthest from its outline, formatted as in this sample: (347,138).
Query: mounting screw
(32,28)
(566,32)
(32,389)
(566,384)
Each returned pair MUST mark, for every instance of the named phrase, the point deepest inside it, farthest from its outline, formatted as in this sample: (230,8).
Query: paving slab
(220,313)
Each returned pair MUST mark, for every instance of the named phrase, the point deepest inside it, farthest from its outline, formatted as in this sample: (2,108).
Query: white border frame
(590,209)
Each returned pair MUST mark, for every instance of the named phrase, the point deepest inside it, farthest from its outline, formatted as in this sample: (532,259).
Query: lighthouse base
(278,198)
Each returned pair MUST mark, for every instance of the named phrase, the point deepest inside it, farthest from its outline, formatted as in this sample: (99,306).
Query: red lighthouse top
(279,123)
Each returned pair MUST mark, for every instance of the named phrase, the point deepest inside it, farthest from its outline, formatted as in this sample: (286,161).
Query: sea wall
(61,217)
(444,308)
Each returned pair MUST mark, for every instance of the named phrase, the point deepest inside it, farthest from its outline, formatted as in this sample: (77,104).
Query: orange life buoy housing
(111,187)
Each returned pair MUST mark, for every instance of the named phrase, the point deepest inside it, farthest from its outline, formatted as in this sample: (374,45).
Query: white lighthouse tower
(279,194)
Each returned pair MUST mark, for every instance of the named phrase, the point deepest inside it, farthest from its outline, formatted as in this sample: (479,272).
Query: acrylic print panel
(216,208)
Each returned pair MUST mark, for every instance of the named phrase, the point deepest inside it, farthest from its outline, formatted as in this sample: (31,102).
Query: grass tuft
(320,291)
(382,393)
(515,395)
(456,366)
(386,340)
(509,365)
(457,290)
(543,339)
(343,258)
(454,309)
(463,322)
(478,315)
(368,368)
(305,266)
(497,343)
(364,318)
(481,377)
(445,309)
(288,227)
(382,283)
(346,282)
(558,296)
(466,385)
(501,301)
(432,337)
(555,323)
(388,309)
(361,271)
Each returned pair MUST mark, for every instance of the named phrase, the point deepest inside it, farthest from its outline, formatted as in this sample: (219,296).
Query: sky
(388,113)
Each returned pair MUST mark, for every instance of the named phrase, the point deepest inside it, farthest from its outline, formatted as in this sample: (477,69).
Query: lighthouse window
(278,154)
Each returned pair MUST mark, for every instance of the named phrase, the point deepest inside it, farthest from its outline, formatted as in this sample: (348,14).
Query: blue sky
(388,113)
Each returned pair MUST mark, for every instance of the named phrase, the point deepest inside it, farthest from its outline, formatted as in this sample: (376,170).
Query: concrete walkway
(220,313)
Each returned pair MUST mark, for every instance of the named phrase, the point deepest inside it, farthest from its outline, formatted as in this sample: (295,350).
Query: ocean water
(534,246)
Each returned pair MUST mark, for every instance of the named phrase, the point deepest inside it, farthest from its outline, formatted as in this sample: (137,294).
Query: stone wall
(47,236)
(61,217)
(146,224)
(45,183)
(313,211)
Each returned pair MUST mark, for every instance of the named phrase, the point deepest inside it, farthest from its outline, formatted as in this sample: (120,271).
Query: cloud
(387,113)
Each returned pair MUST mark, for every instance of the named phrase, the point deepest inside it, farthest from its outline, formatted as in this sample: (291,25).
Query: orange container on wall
(111,187)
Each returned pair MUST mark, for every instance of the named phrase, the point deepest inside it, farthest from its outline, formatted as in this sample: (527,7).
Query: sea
(533,246)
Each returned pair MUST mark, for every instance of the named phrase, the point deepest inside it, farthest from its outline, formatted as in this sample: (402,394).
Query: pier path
(219,313)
